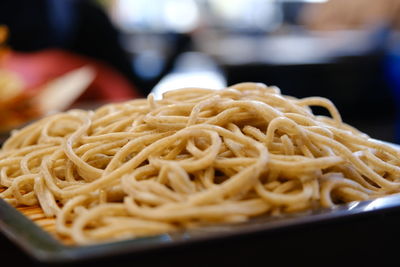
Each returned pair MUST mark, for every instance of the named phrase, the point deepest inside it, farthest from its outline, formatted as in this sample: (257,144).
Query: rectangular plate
(45,248)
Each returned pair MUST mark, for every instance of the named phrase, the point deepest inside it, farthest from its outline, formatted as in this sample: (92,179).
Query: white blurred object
(192,69)
(204,79)
(288,49)
(60,93)
(156,16)
(305,1)
(181,16)
(258,15)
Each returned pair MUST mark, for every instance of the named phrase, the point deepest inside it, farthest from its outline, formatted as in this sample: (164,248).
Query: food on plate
(193,158)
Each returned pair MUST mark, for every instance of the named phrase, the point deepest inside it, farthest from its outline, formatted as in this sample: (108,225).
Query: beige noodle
(195,157)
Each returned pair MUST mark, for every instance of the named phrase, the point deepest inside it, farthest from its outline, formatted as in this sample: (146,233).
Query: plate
(43,247)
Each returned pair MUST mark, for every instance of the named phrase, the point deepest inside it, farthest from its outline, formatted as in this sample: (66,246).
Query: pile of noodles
(193,158)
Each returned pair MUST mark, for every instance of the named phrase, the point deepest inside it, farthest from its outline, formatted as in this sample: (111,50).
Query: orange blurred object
(37,68)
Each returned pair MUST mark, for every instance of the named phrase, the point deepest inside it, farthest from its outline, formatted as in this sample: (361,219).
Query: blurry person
(48,38)
(351,15)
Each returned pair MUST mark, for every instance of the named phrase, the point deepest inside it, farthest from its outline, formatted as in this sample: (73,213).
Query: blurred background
(92,52)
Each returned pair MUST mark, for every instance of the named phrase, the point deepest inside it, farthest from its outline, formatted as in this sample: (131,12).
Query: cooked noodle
(195,157)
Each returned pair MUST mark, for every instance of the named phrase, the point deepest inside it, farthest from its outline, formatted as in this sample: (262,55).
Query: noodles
(195,157)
